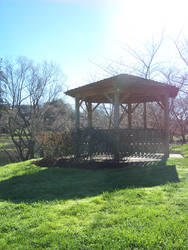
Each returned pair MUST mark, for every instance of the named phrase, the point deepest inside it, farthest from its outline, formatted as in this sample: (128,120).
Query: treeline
(30,104)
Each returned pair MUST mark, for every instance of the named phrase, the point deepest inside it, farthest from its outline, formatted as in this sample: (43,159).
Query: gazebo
(127,91)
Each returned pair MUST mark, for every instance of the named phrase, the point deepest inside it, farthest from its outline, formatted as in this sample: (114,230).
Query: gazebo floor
(101,162)
(132,158)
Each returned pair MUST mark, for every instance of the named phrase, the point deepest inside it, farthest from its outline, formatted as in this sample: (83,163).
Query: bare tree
(145,61)
(182,47)
(27,87)
(180,113)
(178,76)
(58,116)
(142,62)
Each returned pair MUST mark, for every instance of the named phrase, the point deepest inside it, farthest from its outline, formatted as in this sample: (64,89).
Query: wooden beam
(129,111)
(147,91)
(77,126)
(116,109)
(96,106)
(84,108)
(141,99)
(124,108)
(108,97)
(77,113)
(129,116)
(145,116)
(160,104)
(124,97)
(80,103)
(116,123)
(89,112)
(133,109)
(123,114)
(134,99)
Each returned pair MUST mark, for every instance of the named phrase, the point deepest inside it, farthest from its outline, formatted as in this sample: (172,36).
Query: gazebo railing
(127,142)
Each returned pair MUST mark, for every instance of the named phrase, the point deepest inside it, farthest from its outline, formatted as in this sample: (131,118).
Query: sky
(75,33)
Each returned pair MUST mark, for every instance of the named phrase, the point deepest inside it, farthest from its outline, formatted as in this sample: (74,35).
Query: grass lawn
(183,148)
(136,207)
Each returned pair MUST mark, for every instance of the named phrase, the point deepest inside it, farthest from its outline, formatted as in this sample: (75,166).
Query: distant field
(5,143)
(5,140)
(136,207)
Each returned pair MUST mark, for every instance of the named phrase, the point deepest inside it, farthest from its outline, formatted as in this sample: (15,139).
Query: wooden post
(77,126)
(116,123)
(145,116)
(77,113)
(89,112)
(116,109)
(166,125)
(129,116)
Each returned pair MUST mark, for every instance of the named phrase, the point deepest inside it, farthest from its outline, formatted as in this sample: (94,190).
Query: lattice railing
(128,142)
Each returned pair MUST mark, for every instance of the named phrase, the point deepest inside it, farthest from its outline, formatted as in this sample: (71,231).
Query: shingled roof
(132,89)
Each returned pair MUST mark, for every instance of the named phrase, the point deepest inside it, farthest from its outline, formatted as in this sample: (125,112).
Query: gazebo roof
(132,89)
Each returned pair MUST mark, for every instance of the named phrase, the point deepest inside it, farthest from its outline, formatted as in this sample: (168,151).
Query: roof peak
(127,84)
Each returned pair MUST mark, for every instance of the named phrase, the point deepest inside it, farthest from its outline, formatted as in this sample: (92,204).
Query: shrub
(56,145)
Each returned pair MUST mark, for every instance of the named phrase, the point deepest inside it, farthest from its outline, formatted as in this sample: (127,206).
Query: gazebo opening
(127,92)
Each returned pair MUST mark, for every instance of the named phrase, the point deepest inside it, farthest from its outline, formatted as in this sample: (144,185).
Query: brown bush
(56,145)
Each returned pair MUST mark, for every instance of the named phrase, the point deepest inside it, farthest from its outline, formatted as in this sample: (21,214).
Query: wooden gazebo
(121,90)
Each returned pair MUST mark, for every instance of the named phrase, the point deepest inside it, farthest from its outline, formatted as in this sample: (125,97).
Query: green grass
(179,138)
(183,148)
(137,207)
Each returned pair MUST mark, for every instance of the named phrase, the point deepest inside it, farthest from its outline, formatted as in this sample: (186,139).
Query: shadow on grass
(69,183)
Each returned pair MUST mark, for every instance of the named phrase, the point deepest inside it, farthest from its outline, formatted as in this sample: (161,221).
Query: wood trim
(129,116)
(80,103)
(145,116)
(96,106)
(124,98)
(83,109)
(160,104)
(124,108)
(109,98)
(89,111)
(77,113)
(133,109)
(122,116)
(116,109)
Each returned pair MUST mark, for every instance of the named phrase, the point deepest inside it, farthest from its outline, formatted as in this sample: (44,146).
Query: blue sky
(52,30)
(75,32)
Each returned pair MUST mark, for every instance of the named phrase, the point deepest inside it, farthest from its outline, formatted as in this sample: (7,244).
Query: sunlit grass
(183,148)
(138,207)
